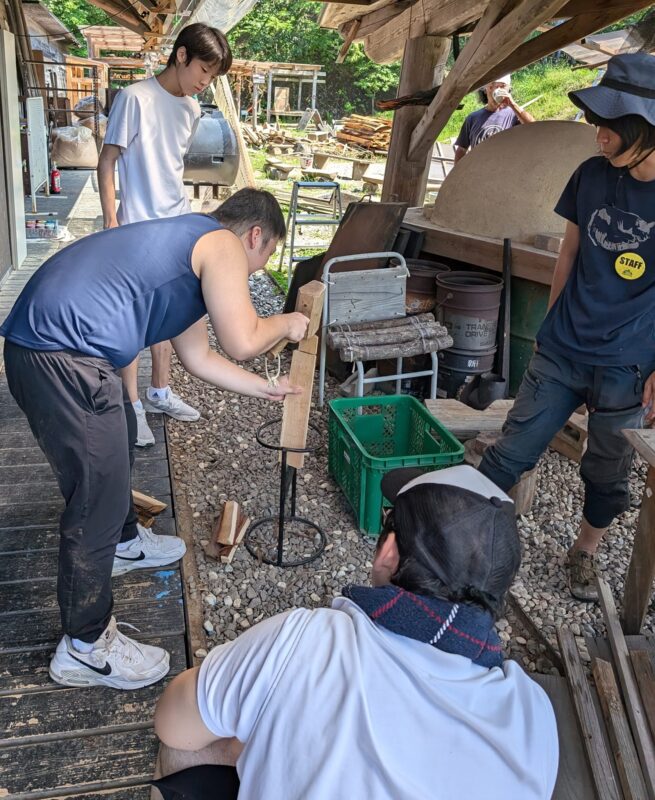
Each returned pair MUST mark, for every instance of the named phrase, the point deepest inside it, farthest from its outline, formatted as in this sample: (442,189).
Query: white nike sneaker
(144,436)
(173,405)
(116,661)
(148,550)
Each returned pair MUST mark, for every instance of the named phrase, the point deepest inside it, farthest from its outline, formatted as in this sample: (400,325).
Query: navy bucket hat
(628,87)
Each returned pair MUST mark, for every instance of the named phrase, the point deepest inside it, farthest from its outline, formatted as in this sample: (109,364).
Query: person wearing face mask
(500,112)
(150,127)
(596,345)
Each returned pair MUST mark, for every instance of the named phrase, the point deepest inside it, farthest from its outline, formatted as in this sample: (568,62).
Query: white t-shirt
(331,705)
(153,128)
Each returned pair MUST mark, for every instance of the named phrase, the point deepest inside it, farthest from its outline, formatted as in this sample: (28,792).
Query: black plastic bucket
(468,304)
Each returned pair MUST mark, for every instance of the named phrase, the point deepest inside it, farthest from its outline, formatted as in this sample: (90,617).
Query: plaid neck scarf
(458,628)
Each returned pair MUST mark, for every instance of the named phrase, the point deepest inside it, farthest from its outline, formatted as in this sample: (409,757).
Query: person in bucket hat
(399,691)
(596,345)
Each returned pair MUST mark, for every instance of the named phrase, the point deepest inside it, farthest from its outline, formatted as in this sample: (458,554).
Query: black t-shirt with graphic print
(481,124)
(605,315)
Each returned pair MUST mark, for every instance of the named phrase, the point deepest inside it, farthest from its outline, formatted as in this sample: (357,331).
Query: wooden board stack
(373,133)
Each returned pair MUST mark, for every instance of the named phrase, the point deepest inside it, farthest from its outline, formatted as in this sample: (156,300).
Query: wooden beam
(645,675)
(129,20)
(561,35)
(350,31)
(375,19)
(641,570)
(496,40)
(295,419)
(625,755)
(427,18)
(634,705)
(598,755)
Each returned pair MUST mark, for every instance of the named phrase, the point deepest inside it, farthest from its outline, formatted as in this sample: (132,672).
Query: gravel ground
(218,459)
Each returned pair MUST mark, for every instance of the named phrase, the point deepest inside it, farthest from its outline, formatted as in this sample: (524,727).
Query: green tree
(276,30)
(77,15)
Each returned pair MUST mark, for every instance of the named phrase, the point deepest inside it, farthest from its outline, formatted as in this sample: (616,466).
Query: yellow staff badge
(630,266)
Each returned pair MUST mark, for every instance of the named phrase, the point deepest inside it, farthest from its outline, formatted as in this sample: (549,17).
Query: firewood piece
(404,349)
(147,508)
(625,755)
(634,705)
(309,303)
(592,736)
(229,529)
(295,420)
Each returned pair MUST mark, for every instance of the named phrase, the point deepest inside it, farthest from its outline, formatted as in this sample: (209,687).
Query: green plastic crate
(369,436)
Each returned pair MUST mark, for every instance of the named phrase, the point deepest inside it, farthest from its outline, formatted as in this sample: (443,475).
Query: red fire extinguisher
(55,179)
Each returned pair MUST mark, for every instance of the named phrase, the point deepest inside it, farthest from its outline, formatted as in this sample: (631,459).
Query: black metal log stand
(288,525)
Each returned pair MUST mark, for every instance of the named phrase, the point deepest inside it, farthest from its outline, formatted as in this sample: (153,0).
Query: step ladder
(332,216)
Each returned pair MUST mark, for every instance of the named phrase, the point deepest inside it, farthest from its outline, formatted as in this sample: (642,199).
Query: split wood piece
(147,508)
(309,303)
(229,530)
(641,570)
(645,675)
(466,422)
(295,418)
(548,241)
(552,654)
(598,755)
(634,705)
(618,729)
(571,441)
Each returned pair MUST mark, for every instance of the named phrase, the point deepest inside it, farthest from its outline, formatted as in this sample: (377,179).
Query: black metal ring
(270,446)
(275,562)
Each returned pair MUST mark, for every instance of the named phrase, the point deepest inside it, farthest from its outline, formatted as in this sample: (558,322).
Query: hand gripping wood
(309,303)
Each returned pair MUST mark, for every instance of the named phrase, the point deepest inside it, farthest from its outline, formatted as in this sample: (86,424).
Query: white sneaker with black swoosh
(116,661)
(148,550)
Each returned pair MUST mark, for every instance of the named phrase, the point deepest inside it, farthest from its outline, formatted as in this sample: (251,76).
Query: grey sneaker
(173,405)
(581,570)
(144,436)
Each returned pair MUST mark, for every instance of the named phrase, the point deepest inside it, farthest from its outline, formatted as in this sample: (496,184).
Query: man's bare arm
(460,152)
(107,184)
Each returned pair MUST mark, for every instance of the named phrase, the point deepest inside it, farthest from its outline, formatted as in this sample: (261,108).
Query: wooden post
(269,97)
(238,104)
(314,79)
(255,103)
(404,180)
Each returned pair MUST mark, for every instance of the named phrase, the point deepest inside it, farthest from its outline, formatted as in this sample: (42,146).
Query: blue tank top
(114,292)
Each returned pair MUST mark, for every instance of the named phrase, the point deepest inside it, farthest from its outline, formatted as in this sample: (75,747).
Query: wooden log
(402,350)
(599,757)
(309,303)
(625,755)
(396,322)
(645,675)
(634,705)
(384,335)
(147,508)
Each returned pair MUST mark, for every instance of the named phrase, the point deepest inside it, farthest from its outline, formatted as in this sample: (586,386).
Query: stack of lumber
(406,336)
(616,711)
(371,133)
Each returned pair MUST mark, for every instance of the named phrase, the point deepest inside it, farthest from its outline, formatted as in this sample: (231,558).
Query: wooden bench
(356,173)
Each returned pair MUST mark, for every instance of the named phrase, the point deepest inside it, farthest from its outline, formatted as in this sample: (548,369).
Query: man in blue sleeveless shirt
(597,343)
(86,313)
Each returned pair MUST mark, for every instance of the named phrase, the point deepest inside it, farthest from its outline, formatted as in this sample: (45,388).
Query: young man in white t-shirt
(150,127)
(399,691)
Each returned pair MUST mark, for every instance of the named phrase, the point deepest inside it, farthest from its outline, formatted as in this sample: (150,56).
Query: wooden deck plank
(151,585)
(32,454)
(47,536)
(165,616)
(127,793)
(18,435)
(27,670)
(90,762)
(46,513)
(33,492)
(42,473)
